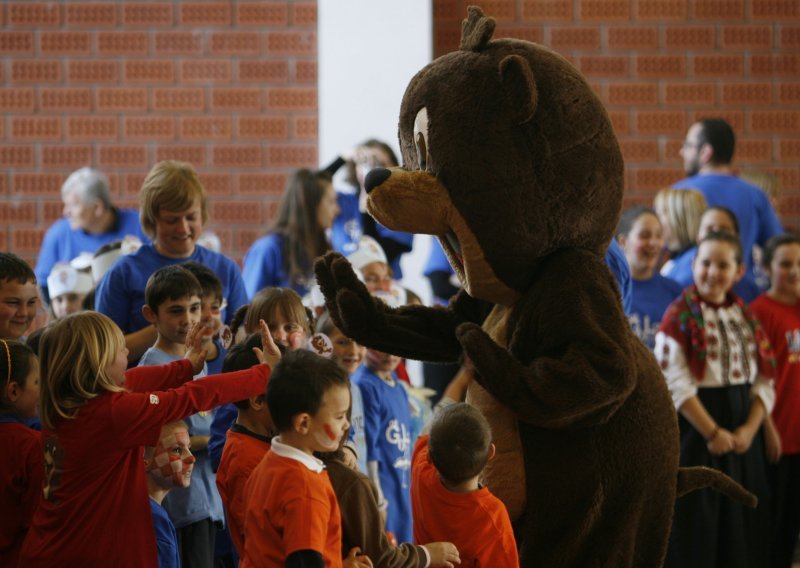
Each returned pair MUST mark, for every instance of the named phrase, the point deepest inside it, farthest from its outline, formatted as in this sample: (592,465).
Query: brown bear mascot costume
(511,161)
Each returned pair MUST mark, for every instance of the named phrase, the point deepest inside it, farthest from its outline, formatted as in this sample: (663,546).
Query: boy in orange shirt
(246,443)
(292,516)
(447,501)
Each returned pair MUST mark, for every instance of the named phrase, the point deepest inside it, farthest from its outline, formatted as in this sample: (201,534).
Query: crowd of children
(280,441)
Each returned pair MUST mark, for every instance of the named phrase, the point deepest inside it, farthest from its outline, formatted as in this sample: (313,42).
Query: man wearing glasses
(707,153)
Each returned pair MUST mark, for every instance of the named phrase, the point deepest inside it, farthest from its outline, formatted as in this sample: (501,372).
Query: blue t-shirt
(263,267)
(757,219)
(680,270)
(166,537)
(201,499)
(348,227)
(387,424)
(357,434)
(215,367)
(62,244)
(224,417)
(650,299)
(120,294)
(618,264)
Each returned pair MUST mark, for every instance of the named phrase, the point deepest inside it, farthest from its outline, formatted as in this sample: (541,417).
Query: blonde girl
(97,417)
(679,211)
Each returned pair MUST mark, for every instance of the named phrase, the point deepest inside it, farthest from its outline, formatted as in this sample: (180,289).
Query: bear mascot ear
(520,88)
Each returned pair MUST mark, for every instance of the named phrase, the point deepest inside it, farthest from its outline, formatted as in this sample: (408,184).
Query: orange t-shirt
(476,522)
(243,452)
(289,508)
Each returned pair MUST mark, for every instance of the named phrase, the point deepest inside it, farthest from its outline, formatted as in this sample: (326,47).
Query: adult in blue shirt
(284,257)
(173,210)
(707,153)
(90,221)
(353,221)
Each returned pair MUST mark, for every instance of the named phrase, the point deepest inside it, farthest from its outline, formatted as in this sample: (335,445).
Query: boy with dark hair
(247,441)
(212,302)
(19,298)
(448,502)
(292,516)
(172,297)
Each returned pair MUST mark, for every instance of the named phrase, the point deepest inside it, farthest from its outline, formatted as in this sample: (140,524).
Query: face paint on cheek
(328,439)
(169,469)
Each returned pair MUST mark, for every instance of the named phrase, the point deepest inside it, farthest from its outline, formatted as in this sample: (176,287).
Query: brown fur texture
(511,161)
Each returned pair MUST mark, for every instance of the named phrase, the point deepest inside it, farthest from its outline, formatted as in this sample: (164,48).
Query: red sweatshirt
(21,473)
(95,510)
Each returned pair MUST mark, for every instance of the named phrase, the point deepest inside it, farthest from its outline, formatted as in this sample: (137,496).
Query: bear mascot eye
(421,138)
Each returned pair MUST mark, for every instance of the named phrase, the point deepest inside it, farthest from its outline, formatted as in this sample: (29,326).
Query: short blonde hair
(683,209)
(173,186)
(767,182)
(74,355)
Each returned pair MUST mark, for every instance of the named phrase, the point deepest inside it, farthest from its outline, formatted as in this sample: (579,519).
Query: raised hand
(269,354)
(353,309)
(194,347)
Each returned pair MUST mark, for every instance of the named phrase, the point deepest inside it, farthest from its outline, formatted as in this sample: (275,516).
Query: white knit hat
(66,279)
(368,251)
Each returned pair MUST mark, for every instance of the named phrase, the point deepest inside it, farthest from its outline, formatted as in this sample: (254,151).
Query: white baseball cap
(368,251)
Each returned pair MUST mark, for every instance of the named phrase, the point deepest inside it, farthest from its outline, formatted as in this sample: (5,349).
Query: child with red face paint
(290,325)
(95,509)
(21,476)
(292,516)
(349,355)
(168,465)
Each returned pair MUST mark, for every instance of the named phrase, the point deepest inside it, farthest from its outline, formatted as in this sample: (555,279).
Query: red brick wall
(230,86)
(658,65)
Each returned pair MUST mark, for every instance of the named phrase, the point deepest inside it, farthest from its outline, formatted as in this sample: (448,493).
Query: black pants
(784,480)
(196,544)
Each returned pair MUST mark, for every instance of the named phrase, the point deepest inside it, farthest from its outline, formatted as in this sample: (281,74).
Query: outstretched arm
(417,332)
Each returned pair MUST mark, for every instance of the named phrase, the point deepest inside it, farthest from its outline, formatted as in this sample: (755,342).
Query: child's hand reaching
(269,354)
(443,554)
(194,347)
(355,559)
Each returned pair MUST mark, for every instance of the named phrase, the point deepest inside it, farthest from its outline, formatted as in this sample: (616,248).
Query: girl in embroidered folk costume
(718,364)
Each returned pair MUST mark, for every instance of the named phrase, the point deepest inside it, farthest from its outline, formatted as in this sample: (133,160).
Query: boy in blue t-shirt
(173,304)
(168,465)
(387,425)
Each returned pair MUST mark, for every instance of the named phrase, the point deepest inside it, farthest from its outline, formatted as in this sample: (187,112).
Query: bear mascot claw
(511,162)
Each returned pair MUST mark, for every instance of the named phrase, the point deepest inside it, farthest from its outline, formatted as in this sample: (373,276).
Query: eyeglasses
(687,144)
